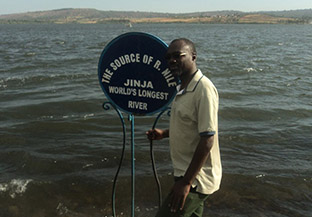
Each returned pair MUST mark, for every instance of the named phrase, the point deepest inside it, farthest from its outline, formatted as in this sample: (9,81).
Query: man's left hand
(179,193)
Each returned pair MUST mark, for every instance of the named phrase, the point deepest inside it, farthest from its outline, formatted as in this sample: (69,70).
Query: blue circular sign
(134,76)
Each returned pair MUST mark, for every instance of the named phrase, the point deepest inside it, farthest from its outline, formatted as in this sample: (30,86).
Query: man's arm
(182,187)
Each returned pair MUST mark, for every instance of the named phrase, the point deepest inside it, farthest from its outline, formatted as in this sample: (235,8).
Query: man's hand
(179,193)
(157,134)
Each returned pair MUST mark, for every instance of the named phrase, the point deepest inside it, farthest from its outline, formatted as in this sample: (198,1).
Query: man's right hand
(157,134)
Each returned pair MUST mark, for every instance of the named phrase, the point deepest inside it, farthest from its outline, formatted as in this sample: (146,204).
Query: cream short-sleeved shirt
(194,113)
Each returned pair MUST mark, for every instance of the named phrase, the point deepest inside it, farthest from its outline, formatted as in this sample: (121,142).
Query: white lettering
(169,77)
(122,91)
(153,94)
(137,105)
(157,64)
(125,59)
(138,83)
(107,76)
(147,59)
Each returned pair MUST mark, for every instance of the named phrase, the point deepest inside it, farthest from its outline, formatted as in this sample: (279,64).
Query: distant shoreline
(254,19)
(92,16)
(247,19)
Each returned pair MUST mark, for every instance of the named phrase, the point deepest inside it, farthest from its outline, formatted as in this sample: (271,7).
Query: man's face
(180,59)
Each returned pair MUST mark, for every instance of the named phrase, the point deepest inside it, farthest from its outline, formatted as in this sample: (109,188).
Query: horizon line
(139,11)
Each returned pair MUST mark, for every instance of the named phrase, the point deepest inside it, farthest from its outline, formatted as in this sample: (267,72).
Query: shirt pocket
(185,110)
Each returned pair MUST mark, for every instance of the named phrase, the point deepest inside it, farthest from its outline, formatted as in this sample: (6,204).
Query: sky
(170,6)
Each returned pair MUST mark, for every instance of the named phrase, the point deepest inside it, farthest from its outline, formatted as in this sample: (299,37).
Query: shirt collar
(193,83)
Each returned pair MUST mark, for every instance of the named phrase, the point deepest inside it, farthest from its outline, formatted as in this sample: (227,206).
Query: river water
(59,149)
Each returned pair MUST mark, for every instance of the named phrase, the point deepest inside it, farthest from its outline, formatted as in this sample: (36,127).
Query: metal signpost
(135,79)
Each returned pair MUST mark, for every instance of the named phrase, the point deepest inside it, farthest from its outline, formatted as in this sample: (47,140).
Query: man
(193,135)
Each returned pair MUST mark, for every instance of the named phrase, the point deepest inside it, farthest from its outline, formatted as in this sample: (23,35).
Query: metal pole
(131,117)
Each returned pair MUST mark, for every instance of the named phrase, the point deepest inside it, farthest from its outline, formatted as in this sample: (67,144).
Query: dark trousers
(193,207)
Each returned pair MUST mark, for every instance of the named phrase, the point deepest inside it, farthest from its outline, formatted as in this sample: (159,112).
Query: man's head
(181,57)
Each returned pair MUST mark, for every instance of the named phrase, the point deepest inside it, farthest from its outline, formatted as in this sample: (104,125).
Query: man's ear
(194,56)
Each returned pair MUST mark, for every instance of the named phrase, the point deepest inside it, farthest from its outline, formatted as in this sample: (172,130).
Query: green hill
(71,15)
